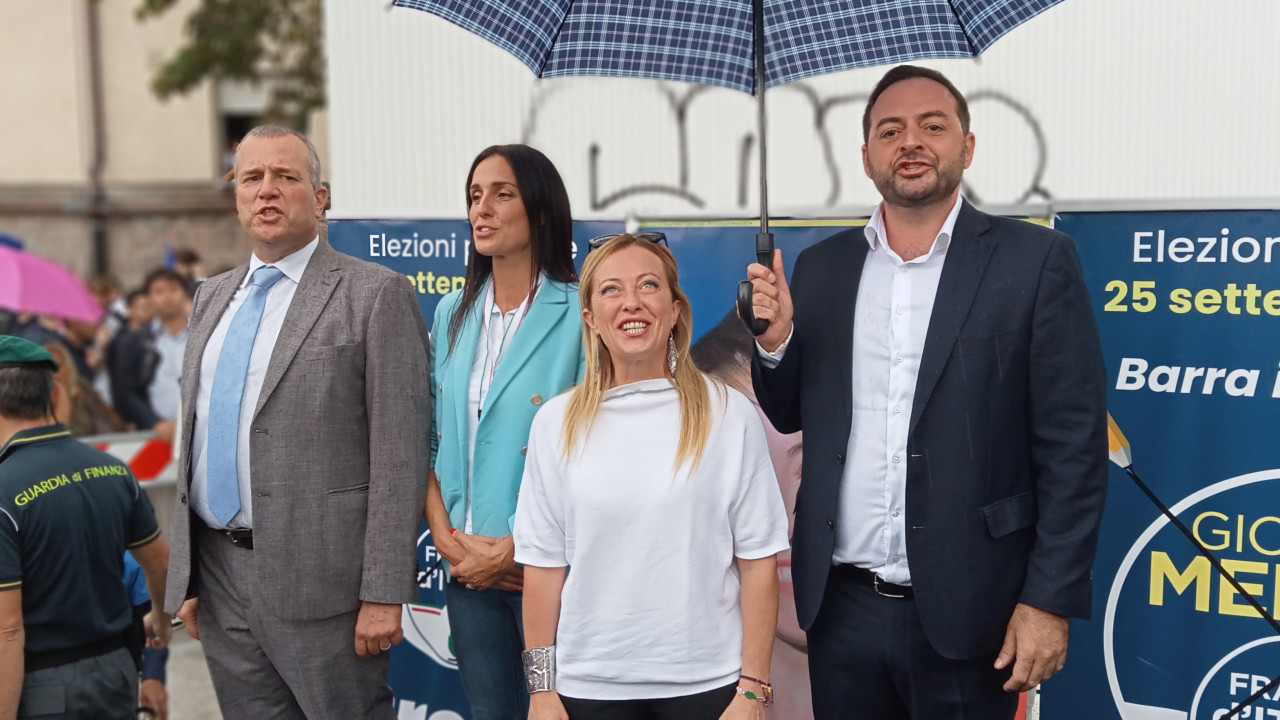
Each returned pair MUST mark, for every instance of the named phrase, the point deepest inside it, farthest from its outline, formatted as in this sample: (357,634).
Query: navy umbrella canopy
(711,41)
(732,43)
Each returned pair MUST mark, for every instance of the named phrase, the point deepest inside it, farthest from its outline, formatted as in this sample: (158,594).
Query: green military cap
(16,352)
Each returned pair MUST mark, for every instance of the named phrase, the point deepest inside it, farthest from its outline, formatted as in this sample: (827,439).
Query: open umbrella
(733,44)
(32,284)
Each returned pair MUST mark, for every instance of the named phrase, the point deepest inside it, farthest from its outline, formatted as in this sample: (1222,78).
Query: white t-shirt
(650,606)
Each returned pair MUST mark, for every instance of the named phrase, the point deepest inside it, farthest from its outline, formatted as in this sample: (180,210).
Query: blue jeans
(488,639)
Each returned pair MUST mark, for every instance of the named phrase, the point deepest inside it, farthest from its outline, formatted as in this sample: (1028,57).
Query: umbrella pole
(757,22)
(764,239)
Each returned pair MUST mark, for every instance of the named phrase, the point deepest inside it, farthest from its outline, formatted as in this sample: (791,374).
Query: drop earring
(671,353)
(596,363)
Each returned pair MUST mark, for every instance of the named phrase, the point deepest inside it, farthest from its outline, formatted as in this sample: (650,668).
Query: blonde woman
(654,484)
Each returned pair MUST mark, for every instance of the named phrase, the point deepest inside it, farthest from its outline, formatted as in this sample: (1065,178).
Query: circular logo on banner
(424,669)
(426,622)
(1179,641)
(1238,676)
(426,627)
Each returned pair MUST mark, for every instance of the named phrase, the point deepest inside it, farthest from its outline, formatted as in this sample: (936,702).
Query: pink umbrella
(32,284)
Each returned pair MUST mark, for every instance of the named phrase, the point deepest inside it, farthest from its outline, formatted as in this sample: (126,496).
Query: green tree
(249,40)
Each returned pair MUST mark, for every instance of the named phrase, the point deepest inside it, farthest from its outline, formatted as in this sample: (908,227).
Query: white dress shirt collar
(875,229)
(292,265)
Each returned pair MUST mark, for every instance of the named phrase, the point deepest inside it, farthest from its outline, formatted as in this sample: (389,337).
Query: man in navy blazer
(946,369)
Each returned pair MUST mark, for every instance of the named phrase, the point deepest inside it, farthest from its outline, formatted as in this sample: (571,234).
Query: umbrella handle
(764,256)
(757,327)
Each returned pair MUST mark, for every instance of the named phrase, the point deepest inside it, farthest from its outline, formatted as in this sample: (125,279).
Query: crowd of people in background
(121,373)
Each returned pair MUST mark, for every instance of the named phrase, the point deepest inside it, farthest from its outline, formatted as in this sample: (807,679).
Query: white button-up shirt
(279,298)
(894,305)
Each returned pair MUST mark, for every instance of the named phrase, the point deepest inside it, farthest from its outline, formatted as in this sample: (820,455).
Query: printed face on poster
(713,258)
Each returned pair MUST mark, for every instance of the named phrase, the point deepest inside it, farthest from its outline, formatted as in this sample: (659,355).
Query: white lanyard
(486,375)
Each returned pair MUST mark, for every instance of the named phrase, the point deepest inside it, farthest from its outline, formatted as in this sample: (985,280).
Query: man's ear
(322,200)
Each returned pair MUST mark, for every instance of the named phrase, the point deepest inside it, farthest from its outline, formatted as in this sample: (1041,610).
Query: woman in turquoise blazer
(501,346)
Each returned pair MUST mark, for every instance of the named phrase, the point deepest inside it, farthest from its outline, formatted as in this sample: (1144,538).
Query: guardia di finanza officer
(68,512)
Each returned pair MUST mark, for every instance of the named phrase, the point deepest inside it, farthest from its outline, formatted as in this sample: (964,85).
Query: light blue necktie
(228,393)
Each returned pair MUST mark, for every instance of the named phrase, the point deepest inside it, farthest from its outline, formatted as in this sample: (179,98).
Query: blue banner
(432,254)
(1188,304)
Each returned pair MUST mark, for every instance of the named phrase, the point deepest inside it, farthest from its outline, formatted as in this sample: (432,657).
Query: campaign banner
(432,254)
(1188,305)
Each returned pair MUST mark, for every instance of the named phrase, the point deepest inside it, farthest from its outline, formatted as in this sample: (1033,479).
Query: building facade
(96,172)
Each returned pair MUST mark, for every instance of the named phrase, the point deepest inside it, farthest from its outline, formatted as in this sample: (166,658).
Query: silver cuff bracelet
(540,668)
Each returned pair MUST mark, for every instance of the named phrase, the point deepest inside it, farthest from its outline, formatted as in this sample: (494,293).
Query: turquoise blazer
(544,359)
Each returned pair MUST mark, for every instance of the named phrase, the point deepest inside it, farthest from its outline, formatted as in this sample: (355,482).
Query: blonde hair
(689,381)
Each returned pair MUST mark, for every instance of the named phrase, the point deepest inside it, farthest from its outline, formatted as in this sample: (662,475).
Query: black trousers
(869,658)
(707,705)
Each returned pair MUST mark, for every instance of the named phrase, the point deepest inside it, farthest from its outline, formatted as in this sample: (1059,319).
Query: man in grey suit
(303,457)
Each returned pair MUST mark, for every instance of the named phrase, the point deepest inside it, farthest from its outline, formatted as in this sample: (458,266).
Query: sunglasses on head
(595,242)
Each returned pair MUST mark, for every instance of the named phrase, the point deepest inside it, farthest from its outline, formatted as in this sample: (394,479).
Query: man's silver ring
(385,647)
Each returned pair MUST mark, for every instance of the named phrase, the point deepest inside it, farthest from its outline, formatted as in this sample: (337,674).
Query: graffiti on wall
(829,135)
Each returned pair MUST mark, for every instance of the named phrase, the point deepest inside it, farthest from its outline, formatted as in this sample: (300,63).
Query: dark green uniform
(67,514)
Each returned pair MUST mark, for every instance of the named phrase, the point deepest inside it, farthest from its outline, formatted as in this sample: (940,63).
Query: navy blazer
(1007,446)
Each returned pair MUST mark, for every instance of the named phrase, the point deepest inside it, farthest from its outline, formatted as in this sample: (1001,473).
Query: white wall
(149,139)
(46,111)
(42,137)
(1133,100)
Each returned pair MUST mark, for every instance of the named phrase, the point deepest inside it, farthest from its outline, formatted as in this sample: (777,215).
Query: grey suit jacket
(339,442)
